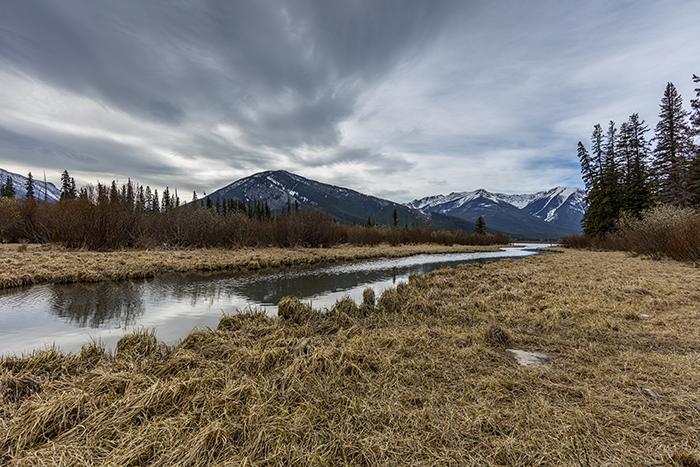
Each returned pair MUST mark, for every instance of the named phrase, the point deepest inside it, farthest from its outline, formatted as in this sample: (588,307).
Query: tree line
(626,171)
(109,216)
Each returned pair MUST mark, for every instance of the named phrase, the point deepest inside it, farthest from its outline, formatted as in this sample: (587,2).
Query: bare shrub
(662,231)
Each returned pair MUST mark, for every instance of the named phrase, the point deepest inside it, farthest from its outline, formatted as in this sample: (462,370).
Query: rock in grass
(525,358)
(650,393)
(293,310)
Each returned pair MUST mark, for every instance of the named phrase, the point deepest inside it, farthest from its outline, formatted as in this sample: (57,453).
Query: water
(70,315)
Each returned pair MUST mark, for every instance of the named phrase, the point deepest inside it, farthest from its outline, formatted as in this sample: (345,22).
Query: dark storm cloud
(359,92)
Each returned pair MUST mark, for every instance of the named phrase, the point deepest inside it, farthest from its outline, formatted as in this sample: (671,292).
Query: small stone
(650,393)
(644,316)
(525,358)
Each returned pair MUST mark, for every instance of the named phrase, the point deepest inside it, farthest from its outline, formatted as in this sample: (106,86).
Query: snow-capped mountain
(281,189)
(545,214)
(19,182)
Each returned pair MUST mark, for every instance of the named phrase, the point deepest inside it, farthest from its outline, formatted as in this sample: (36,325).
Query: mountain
(280,189)
(19,182)
(544,215)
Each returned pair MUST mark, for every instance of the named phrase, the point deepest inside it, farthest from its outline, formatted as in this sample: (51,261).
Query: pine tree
(113,193)
(673,147)
(155,203)
(166,199)
(480,226)
(194,196)
(395,218)
(66,187)
(597,151)
(694,172)
(29,186)
(637,192)
(586,168)
(9,191)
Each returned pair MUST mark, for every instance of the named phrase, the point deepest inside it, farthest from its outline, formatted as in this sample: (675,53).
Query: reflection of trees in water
(270,288)
(94,305)
(121,303)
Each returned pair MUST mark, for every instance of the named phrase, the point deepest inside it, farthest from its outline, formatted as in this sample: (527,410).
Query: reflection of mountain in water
(95,305)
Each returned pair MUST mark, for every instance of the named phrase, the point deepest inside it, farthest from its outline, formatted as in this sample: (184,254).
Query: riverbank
(35,264)
(426,375)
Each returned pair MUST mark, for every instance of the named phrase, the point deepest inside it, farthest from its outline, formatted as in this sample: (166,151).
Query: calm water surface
(70,315)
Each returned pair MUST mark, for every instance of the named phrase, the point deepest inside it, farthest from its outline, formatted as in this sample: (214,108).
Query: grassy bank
(33,264)
(422,376)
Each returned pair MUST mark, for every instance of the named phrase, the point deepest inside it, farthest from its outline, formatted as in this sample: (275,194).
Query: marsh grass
(51,263)
(404,384)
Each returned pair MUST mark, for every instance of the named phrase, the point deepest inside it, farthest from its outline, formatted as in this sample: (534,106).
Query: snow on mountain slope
(19,182)
(552,212)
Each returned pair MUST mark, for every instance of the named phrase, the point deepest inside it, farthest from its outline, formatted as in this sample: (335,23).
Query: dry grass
(22,264)
(424,378)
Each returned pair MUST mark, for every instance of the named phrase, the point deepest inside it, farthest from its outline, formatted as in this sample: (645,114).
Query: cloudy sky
(396,98)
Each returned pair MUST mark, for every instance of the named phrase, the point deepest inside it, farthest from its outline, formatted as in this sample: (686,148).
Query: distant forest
(626,172)
(131,215)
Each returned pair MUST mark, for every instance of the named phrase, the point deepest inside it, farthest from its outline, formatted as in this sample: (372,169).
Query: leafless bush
(662,231)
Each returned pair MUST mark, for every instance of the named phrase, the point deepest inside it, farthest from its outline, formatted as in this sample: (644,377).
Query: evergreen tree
(637,192)
(480,226)
(8,190)
(587,173)
(597,151)
(194,196)
(694,172)
(155,203)
(113,193)
(395,218)
(148,195)
(29,186)
(66,186)
(140,203)
(673,147)
(166,199)
(73,189)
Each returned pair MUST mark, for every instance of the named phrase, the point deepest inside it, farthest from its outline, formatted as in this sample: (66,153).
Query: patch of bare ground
(22,264)
(420,375)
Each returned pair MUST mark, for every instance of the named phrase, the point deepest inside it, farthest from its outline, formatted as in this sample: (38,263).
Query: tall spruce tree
(67,186)
(604,195)
(636,190)
(8,190)
(480,226)
(694,171)
(586,168)
(674,146)
(29,186)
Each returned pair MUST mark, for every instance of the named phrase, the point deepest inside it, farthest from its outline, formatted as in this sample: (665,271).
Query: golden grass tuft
(496,336)
(294,311)
(401,385)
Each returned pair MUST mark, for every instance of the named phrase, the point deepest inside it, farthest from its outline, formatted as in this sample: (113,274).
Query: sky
(395,98)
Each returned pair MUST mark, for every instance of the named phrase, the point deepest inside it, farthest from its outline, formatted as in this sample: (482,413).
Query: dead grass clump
(238,321)
(138,344)
(292,310)
(91,354)
(347,306)
(368,297)
(390,301)
(496,336)
(41,421)
(686,458)
(17,388)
